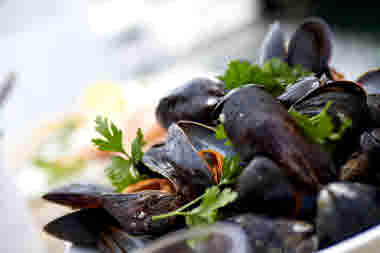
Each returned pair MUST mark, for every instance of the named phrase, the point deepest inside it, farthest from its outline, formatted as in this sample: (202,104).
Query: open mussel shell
(221,237)
(202,137)
(194,100)
(134,211)
(263,184)
(277,235)
(78,195)
(311,46)
(273,45)
(371,81)
(345,209)
(178,159)
(296,91)
(256,123)
(348,100)
(81,227)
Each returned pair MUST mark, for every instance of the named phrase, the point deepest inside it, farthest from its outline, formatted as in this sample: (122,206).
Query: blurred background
(71,60)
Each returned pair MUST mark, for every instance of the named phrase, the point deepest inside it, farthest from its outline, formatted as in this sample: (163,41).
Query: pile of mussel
(293,195)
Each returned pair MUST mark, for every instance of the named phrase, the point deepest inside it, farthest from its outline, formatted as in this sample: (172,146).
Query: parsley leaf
(320,127)
(121,172)
(113,137)
(231,169)
(275,75)
(207,211)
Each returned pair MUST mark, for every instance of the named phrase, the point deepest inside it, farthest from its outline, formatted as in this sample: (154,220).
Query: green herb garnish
(220,134)
(207,212)
(275,75)
(320,127)
(122,171)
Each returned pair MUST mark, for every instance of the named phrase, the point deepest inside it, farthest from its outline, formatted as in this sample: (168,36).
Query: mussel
(273,45)
(370,81)
(298,90)
(277,235)
(263,184)
(311,46)
(258,124)
(94,227)
(363,164)
(345,209)
(194,101)
(348,101)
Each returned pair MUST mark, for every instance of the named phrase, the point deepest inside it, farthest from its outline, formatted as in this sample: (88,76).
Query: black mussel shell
(298,90)
(179,161)
(311,46)
(81,227)
(256,123)
(134,211)
(195,101)
(263,185)
(373,102)
(114,240)
(273,45)
(202,137)
(362,165)
(345,209)
(371,81)
(357,168)
(348,99)
(221,237)
(78,195)
(277,235)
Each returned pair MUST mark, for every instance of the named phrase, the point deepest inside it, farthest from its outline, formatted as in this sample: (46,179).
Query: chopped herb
(121,172)
(220,134)
(275,75)
(320,127)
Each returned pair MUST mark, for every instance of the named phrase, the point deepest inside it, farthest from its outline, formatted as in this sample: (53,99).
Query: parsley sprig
(121,171)
(320,128)
(275,75)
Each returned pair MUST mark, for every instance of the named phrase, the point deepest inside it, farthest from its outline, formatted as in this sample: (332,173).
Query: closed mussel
(345,209)
(195,100)
(273,45)
(256,123)
(263,185)
(277,235)
(311,46)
